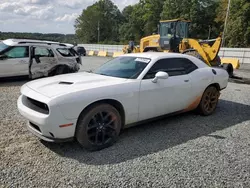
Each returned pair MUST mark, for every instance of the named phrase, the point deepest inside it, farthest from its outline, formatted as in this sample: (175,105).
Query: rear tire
(99,127)
(208,101)
(62,70)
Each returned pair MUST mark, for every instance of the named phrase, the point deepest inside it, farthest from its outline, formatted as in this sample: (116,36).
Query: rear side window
(43,52)
(18,52)
(65,52)
(173,66)
(188,65)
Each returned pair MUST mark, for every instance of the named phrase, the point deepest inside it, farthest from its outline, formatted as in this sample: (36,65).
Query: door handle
(186,80)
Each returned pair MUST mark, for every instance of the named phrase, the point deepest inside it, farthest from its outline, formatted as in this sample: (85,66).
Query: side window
(188,65)
(18,52)
(173,66)
(43,52)
(65,52)
(181,30)
(160,65)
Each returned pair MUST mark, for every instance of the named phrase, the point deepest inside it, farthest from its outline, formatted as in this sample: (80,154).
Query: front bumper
(47,125)
(45,138)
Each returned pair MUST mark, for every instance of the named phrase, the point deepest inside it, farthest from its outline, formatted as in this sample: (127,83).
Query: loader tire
(195,54)
(217,61)
(150,50)
(229,68)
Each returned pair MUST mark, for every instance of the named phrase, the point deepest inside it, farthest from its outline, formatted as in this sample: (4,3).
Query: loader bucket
(235,62)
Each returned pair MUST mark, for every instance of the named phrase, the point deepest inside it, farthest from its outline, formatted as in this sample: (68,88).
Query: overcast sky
(44,16)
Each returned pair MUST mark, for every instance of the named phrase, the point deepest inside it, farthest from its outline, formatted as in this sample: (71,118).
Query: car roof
(155,55)
(13,42)
(160,55)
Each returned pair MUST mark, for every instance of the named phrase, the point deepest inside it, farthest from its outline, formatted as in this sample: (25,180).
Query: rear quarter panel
(221,77)
(201,79)
(204,76)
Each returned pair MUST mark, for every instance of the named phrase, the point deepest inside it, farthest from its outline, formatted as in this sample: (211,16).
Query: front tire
(99,127)
(209,101)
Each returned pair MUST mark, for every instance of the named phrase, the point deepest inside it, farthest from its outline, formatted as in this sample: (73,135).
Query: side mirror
(2,57)
(160,75)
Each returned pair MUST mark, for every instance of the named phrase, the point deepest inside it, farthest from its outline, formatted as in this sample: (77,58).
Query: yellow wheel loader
(173,37)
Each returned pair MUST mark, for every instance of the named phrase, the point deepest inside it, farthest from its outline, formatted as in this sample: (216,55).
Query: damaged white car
(133,88)
(35,58)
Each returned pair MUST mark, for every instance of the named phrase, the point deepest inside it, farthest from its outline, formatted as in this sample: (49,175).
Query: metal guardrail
(243,54)
(102,47)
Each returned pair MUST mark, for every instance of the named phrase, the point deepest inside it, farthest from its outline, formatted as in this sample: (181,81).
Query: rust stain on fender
(66,125)
(194,104)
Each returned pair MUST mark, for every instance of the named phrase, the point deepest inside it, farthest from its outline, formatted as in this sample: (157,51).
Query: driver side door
(166,95)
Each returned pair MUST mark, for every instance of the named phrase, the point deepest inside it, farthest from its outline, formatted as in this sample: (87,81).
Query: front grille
(36,105)
(35,126)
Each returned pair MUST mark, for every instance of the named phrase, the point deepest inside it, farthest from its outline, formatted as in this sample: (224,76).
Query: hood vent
(66,83)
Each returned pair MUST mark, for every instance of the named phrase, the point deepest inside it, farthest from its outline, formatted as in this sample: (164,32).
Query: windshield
(167,29)
(181,29)
(3,46)
(123,67)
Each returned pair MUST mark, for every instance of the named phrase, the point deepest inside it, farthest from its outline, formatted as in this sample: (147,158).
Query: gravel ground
(181,151)
(243,74)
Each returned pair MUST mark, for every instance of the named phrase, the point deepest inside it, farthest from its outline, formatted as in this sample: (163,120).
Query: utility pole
(225,26)
(98,28)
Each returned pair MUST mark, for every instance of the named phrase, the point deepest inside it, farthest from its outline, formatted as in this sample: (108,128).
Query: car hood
(68,83)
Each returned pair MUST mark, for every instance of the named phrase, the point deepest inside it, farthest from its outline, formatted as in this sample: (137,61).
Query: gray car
(36,58)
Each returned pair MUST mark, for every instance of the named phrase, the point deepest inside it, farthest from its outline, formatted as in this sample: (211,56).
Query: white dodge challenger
(93,107)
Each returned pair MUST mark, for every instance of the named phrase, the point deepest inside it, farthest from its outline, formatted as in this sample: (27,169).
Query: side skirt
(153,119)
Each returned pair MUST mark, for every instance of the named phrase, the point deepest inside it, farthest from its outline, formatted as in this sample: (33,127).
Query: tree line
(103,22)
